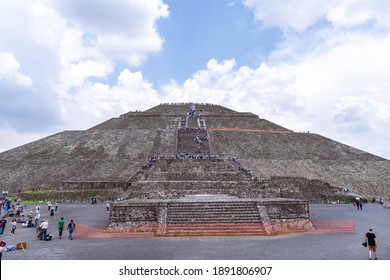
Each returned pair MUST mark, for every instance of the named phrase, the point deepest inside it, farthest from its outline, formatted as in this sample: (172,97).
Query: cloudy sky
(321,65)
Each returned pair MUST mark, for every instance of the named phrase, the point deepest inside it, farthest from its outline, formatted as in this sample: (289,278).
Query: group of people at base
(44,235)
(71,228)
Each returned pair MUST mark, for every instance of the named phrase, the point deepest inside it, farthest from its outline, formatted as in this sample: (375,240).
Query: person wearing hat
(372,243)
(44,225)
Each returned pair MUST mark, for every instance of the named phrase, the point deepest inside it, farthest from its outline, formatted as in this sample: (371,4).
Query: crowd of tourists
(32,219)
(378,200)
(153,160)
(246,171)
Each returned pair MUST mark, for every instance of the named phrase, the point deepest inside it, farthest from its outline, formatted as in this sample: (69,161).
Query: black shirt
(371,238)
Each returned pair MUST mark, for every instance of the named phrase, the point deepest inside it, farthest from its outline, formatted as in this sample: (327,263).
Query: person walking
(71,228)
(52,213)
(61,224)
(372,243)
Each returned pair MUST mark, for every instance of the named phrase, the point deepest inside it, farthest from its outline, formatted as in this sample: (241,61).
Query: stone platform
(213,215)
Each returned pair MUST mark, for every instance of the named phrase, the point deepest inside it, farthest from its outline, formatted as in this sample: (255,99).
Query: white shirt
(44,225)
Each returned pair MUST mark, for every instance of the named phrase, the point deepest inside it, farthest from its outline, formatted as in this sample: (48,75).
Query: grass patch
(38,192)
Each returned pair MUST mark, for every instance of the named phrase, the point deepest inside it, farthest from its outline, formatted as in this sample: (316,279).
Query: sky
(321,65)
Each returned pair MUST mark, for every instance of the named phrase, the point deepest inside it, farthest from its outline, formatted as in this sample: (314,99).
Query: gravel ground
(335,246)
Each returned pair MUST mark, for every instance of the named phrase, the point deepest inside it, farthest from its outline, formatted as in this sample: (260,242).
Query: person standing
(36,221)
(44,225)
(71,228)
(372,243)
(3,221)
(108,206)
(29,218)
(61,224)
(13,226)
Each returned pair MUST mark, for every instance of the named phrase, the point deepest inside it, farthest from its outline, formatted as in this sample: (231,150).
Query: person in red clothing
(372,243)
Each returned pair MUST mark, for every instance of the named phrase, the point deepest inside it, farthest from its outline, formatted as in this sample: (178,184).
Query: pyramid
(104,159)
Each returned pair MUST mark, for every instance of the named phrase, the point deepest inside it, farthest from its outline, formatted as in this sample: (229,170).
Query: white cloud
(95,102)
(11,138)
(9,70)
(300,15)
(267,91)
(122,29)
(59,50)
(294,14)
(351,13)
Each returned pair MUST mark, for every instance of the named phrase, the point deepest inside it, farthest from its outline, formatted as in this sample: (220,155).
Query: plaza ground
(97,245)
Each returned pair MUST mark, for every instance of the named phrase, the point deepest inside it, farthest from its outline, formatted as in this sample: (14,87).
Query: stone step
(209,218)
(226,211)
(179,184)
(215,220)
(213,213)
(215,229)
(219,206)
(167,193)
(213,205)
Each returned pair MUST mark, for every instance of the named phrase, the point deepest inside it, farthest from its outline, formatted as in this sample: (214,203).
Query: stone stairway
(183,122)
(214,218)
(186,142)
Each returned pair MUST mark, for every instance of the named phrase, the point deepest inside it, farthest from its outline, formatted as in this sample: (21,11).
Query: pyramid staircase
(214,218)
(187,143)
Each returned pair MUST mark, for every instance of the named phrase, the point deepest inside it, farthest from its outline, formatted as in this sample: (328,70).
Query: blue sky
(318,66)
(199,30)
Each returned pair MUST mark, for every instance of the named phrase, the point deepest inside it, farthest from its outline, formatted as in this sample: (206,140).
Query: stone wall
(93,186)
(277,215)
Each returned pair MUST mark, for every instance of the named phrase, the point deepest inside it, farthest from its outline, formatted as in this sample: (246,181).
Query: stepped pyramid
(194,169)
(108,155)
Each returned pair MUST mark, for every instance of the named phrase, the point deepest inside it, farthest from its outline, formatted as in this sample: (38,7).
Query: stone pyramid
(107,159)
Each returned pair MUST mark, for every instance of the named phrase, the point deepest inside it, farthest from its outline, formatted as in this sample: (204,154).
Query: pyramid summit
(109,159)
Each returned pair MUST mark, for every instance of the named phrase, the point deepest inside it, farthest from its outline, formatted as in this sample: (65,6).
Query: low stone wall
(288,216)
(92,185)
(196,176)
(74,196)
